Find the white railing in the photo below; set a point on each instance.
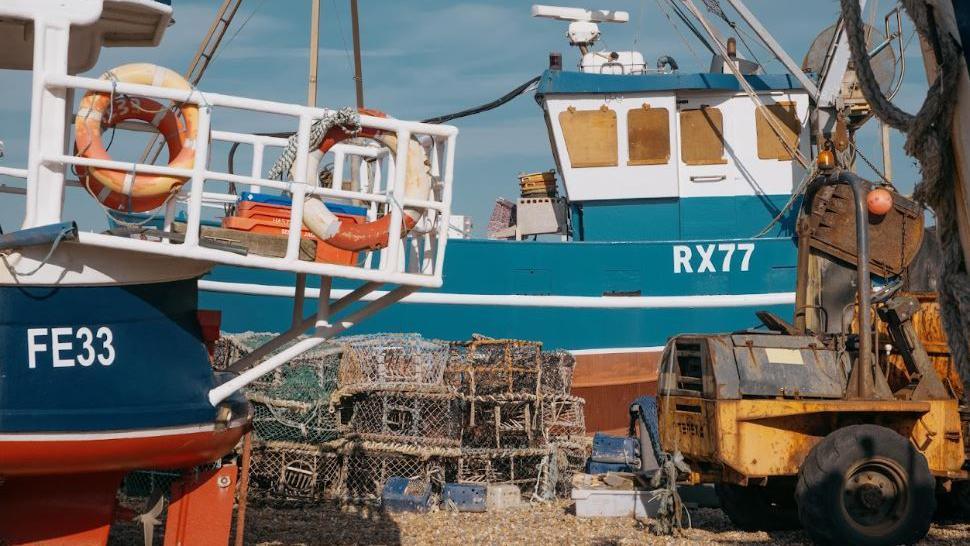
(387, 191)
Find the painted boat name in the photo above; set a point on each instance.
(62, 340)
(684, 257)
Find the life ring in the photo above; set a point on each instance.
(168, 125)
(370, 235)
(124, 190)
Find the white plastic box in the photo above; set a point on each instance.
(614, 503)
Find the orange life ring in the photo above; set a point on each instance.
(370, 235)
(168, 125)
(121, 190)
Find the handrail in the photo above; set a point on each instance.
(386, 190)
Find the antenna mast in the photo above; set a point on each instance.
(358, 76)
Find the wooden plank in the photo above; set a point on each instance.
(769, 145)
(273, 246)
(702, 136)
(648, 135)
(590, 137)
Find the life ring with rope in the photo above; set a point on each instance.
(128, 191)
(369, 235)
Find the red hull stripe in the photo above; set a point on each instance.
(32, 454)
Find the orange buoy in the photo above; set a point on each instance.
(880, 201)
(127, 191)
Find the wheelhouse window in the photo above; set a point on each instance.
(590, 136)
(648, 135)
(770, 141)
(702, 136)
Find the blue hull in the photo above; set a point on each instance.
(100, 358)
(596, 270)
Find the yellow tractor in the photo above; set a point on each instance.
(796, 424)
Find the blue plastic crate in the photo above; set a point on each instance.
(616, 449)
(465, 497)
(406, 495)
(594, 467)
(283, 201)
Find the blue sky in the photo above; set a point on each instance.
(422, 59)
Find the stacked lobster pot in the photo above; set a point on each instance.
(292, 421)
(520, 425)
(342, 421)
(397, 418)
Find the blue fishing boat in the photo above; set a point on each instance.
(105, 355)
(674, 213)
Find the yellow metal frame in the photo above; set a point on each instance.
(742, 440)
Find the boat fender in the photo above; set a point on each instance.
(128, 191)
(370, 235)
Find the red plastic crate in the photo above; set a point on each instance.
(273, 226)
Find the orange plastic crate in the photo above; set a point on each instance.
(274, 225)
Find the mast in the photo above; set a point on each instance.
(358, 77)
(311, 94)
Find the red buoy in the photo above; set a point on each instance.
(880, 200)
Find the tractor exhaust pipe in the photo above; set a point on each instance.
(861, 378)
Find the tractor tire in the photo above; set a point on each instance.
(759, 508)
(865, 485)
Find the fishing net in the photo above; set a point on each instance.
(380, 362)
(487, 367)
(294, 471)
(366, 470)
(423, 418)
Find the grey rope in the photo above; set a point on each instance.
(346, 118)
(43, 262)
(928, 139)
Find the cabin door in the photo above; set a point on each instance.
(705, 167)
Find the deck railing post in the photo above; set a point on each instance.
(394, 208)
(197, 183)
(257, 169)
(298, 188)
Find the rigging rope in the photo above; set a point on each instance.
(928, 140)
(487, 106)
(346, 118)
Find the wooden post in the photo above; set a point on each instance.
(311, 94)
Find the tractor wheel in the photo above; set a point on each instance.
(865, 485)
(759, 508)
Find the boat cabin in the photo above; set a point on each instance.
(656, 154)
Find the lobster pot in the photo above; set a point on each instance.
(392, 360)
(365, 471)
(506, 422)
(292, 421)
(486, 367)
(285, 470)
(423, 418)
(526, 468)
(556, 373)
(567, 459)
(562, 417)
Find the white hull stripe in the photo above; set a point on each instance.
(119, 435)
(514, 300)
